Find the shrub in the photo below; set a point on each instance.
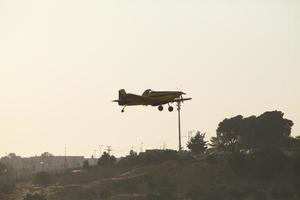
(86, 195)
(157, 156)
(7, 188)
(211, 159)
(105, 193)
(85, 164)
(106, 160)
(234, 194)
(259, 195)
(266, 163)
(282, 193)
(237, 162)
(35, 196)
(296, 170)
(167, 189)
(194, 192)
(42, 178)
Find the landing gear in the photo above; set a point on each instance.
(170, 108)
(123, 109)
(160, 108)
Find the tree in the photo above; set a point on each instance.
(197, 143)
(229, 132)
(12, 155)
(3, 169)
(216, 144)
(132, 153)
(272, 129)
(46, 154)
(267, 130)
(106, 160)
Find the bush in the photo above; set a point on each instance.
(105, 193)
(84, 194)
(130, 160)
(296, 171)
(157, 156)
(126, 185)
(167, 189)
(211, 159)
(35, 196)
(266, 163)
(259, 195)
(86, 164)
(234, 194)
(106, 160)
(282, 193)
(42, 178)
(194, 192)
(7, 188)
(237, 162)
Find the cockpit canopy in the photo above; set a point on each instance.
(147, 92)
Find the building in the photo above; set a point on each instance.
(45, 162)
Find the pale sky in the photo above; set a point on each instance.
(63, 61)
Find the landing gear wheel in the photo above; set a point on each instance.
(122, 110)
(160, 108)
(170, 108)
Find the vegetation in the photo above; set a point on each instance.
(7, 188)
(42, 178)
(106, 160)
(267, 130)
(35, 196)
(250, 158)
(86, 164)
(197, 143)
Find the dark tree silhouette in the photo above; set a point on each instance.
(3, 169)
(106, 160)
(133, 153)
(216, 144)
(46, 154)
(272, 129)
(229, 132)
(267, 130)
(197, 143)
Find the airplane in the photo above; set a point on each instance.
(150, 97)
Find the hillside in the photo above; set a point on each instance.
(206, 178)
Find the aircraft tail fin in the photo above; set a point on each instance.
(122, 94)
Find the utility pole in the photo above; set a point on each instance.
(179, 125)
(95, 153)
(65, 161)
(164, 146)
(108, 149)
(141, 148)
(100, 150)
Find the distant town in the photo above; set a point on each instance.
(45, 162)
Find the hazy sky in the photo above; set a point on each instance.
(63, 61)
